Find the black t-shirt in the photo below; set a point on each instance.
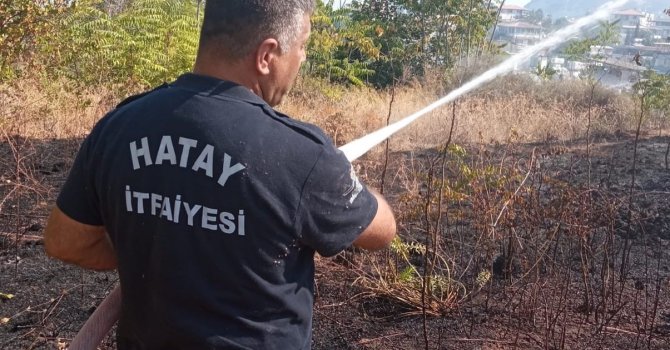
(215, 204)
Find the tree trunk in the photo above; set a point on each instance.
(495, 26)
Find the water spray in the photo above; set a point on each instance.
(359, 147)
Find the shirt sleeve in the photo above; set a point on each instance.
(78, 198)
(335, 207)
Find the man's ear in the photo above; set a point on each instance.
(267, 51)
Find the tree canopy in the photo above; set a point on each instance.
(141, 43)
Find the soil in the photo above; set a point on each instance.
(521, 307)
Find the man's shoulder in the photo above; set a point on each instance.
(226, 111)
(136, 97)
(307, 130)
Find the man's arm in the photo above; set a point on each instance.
(76, 243)
(382, 229)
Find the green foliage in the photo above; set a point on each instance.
(607, 34)
(592, 47)
(578, 49)
(150, 42)
(340, 49)
(654, 91)
(22, 24)
(140, 43)
(417, 36)
(440, 286)
(404, 249)
(545, 72)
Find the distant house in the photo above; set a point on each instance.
(512, 12)
(601, 51)
(631, 22)
(656, 57)
(518, 35)
(662, 62)
(630, 17)
(620, 74)
(660, 30)
(513, 31)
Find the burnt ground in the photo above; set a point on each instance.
(534, 301)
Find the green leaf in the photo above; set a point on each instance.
(406, 275)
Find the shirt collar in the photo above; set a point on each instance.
(216, 87)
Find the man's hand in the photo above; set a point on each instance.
(382, 229)
(76, 243)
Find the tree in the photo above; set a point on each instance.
(22, 24)
(341, 49)
(545, 72)
(583, 50)
(653, 91)
(655, 88)
(608, 34)
(423, 35)
(147, 43)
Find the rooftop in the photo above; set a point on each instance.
(513, 7)
(657, 49)
(629, 12)
(621, 64)
(519, 25)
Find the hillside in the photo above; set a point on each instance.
(563, 8)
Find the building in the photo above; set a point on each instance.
(618, 74)
(512, 12)
(632, 23)
(513, 32)
(660, 30)
(655, 57)
(518, 35)
(630, 17)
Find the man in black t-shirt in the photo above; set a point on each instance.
(210, 203)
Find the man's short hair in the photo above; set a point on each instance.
(236, 27)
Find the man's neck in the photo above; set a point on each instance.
(235, 72)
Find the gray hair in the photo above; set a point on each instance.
(237, 27)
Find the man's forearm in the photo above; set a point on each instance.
(102, 256)
(381, 230)
(97, 255)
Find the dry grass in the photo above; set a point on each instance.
(509, 108)
(39, 109)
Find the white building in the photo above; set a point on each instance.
(630, 17)
(631, 22)
(518, 35)
(660, 30)
(512, 12)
